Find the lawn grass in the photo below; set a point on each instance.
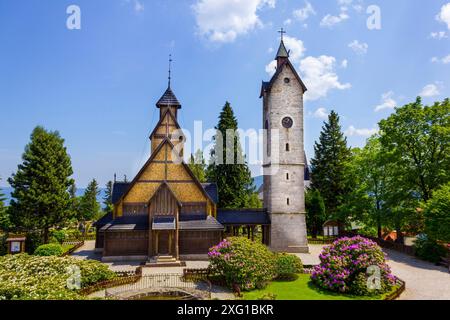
(301, 289)
(67, 247)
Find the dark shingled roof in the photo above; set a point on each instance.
(104, 220)
(211, 190)
(125, 223)
(168, 99)
(282, 51)
(210, 223)
(243, 216)
(119, 189)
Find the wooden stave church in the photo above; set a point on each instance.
(188, 222)
(165, 211)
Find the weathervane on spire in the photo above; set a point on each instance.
(282, 32)
(170, 68)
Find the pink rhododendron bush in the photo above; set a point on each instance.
(353, 265)
(242, 262)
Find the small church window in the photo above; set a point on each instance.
(287, 201)
(287, 147)
(287, 80)
(287, 176)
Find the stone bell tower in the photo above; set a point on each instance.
(284, 163)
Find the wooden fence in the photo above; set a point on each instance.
(121, 280)
(386, 244)
(76, 246)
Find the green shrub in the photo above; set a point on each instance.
(25, 277)
(428, 249)
(242, 262)
(288, 266)
(51, 249)
(58, 236)
(344, 267)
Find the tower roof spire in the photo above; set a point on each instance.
(282, 51)
(170, 69)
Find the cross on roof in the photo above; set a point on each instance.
(282, 32)
(170, 68)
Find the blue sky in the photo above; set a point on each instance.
(98, 85)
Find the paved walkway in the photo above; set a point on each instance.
(424, 280)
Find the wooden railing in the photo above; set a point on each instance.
(385, 244)
(121, 280)
(76, 246)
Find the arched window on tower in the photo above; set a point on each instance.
(287, 201)
(287, 176)
(288, 148)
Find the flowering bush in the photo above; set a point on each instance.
(24, 277)
(242, 262)
(344, 267)
(288, 266)
(51, 249)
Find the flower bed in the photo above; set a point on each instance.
(345, 265)
(24, 277)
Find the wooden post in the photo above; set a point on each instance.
(253, 233)
(156, 243)
(170, 242)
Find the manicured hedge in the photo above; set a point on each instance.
(288, 266)
(51, 249)
(25, 277)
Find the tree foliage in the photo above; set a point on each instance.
(329, 165)
(419, 137)
(315, 212)
(107, 198)
(437, 215)
(89, 206)
(41, 183)
(198, 165)
(233, 178)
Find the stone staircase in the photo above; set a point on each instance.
(164, 261)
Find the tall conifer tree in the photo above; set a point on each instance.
(330, 164)
(198, 165)
(234, 180)
(107, 198)
(89, 206)
(40, 198)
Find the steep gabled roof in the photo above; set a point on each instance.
(152, 157)
(168, 99)
(267, 86)
(282, 51)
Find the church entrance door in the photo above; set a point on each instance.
(163, 243)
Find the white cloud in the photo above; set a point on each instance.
(138, 6)
(318, 73)
(358, 48)
(444, 60)
(330, 20)
(224, 20)
(287, 22)
(438, 35)
(304, 13)
(444, 15)
(321, 113)
(363, 132)
(297, 50)
(344, 63)
(320, 76)
(430, 90)
(387, 102)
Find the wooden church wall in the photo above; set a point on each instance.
(163, 203)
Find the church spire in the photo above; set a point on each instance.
(282, 53)
(170, 70)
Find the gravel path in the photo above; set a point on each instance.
(424, 280)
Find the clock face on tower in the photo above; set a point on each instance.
(287, 122)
